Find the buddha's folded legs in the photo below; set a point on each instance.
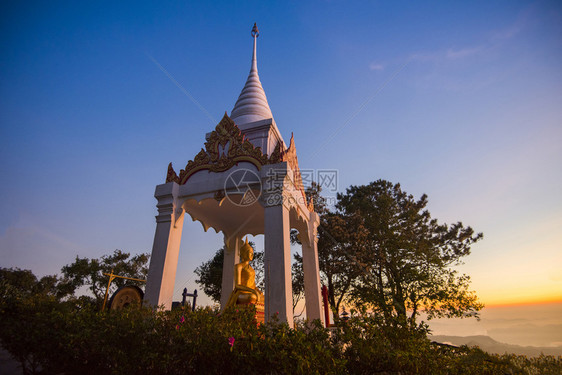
(246, 298)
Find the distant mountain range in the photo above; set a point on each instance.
(490, 345)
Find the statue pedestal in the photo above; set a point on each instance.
(260, 311)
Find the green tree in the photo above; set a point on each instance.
(406, 255)
(91, 272)
(25, 283)
(297, 280)
(210, 275)
(340, 239)
(336, 235)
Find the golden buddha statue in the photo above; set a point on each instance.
(245, 291)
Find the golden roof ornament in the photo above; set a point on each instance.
(225, 148)
(255, 32)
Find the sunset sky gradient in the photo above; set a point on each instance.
(461, 101)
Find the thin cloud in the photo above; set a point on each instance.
(506, 33)
(527, 16)
(555, 275)
(495, 40)
(19, 240)
(376, 66)
(426, 56)
(462, 53)
(449, 54)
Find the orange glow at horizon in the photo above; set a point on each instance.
(509, 299)
(553, 300)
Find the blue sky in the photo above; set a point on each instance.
(461, 101)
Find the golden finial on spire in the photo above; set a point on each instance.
(255, 31)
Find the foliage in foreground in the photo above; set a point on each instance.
(50, 337)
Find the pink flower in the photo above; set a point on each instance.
(231, 341)
(178, 326)
(182, 319)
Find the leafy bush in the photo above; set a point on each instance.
(48, 336)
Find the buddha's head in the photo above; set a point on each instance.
(246, 251)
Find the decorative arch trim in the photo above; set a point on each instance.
(225, 148)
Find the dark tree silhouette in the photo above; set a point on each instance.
(405, 255)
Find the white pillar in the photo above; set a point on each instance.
(311, 270)
(165, 250)
(231, 257)
(278, 287)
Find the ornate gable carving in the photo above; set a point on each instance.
(290, 156)
(225, 148)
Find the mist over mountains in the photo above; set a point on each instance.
(492, 346)
(521, 329)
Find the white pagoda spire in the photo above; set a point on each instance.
(252, 103)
